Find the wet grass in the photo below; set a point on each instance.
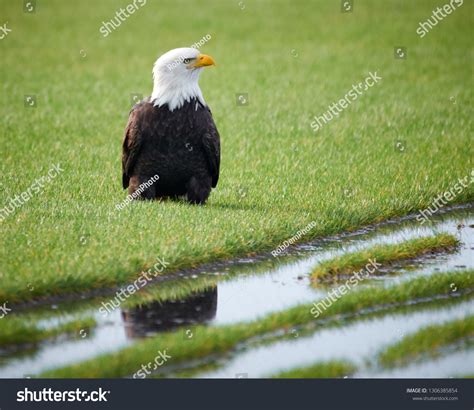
(427, 342)
(216, 362)
(158, 292)
(331, 369)
(386, 255)
(16, 331)
(213, 340)
(277, 174)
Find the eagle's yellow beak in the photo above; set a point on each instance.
(203, 60)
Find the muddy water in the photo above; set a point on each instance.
(240, 295)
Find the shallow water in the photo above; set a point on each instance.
(457, 364)
(357, 342)
(52, 354)
(240, 296)
(246, 298)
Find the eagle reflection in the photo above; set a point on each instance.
(162, 316)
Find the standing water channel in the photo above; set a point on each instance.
(246, 290)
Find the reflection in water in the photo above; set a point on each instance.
(358, 342)
(247, 294)
(162, 316)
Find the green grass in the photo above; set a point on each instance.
(331, 369)
(427, 342)
(385, 255)
(70, 238)
(16, 331)
(213, 340)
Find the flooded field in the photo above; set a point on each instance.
(248, 290)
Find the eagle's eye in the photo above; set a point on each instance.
(188, 60)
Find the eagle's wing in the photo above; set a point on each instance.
(212, 150)
(131, 146)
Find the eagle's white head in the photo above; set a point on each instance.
(176, 76)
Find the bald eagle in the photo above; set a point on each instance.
(171, 139)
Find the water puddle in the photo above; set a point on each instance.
(458, 364)
(246, 298)
(357, 342)
(238, 292)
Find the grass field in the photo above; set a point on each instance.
(66, 249)
(383, 256)
(391, 152)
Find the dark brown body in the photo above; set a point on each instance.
(143, 320)
(181, 147)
